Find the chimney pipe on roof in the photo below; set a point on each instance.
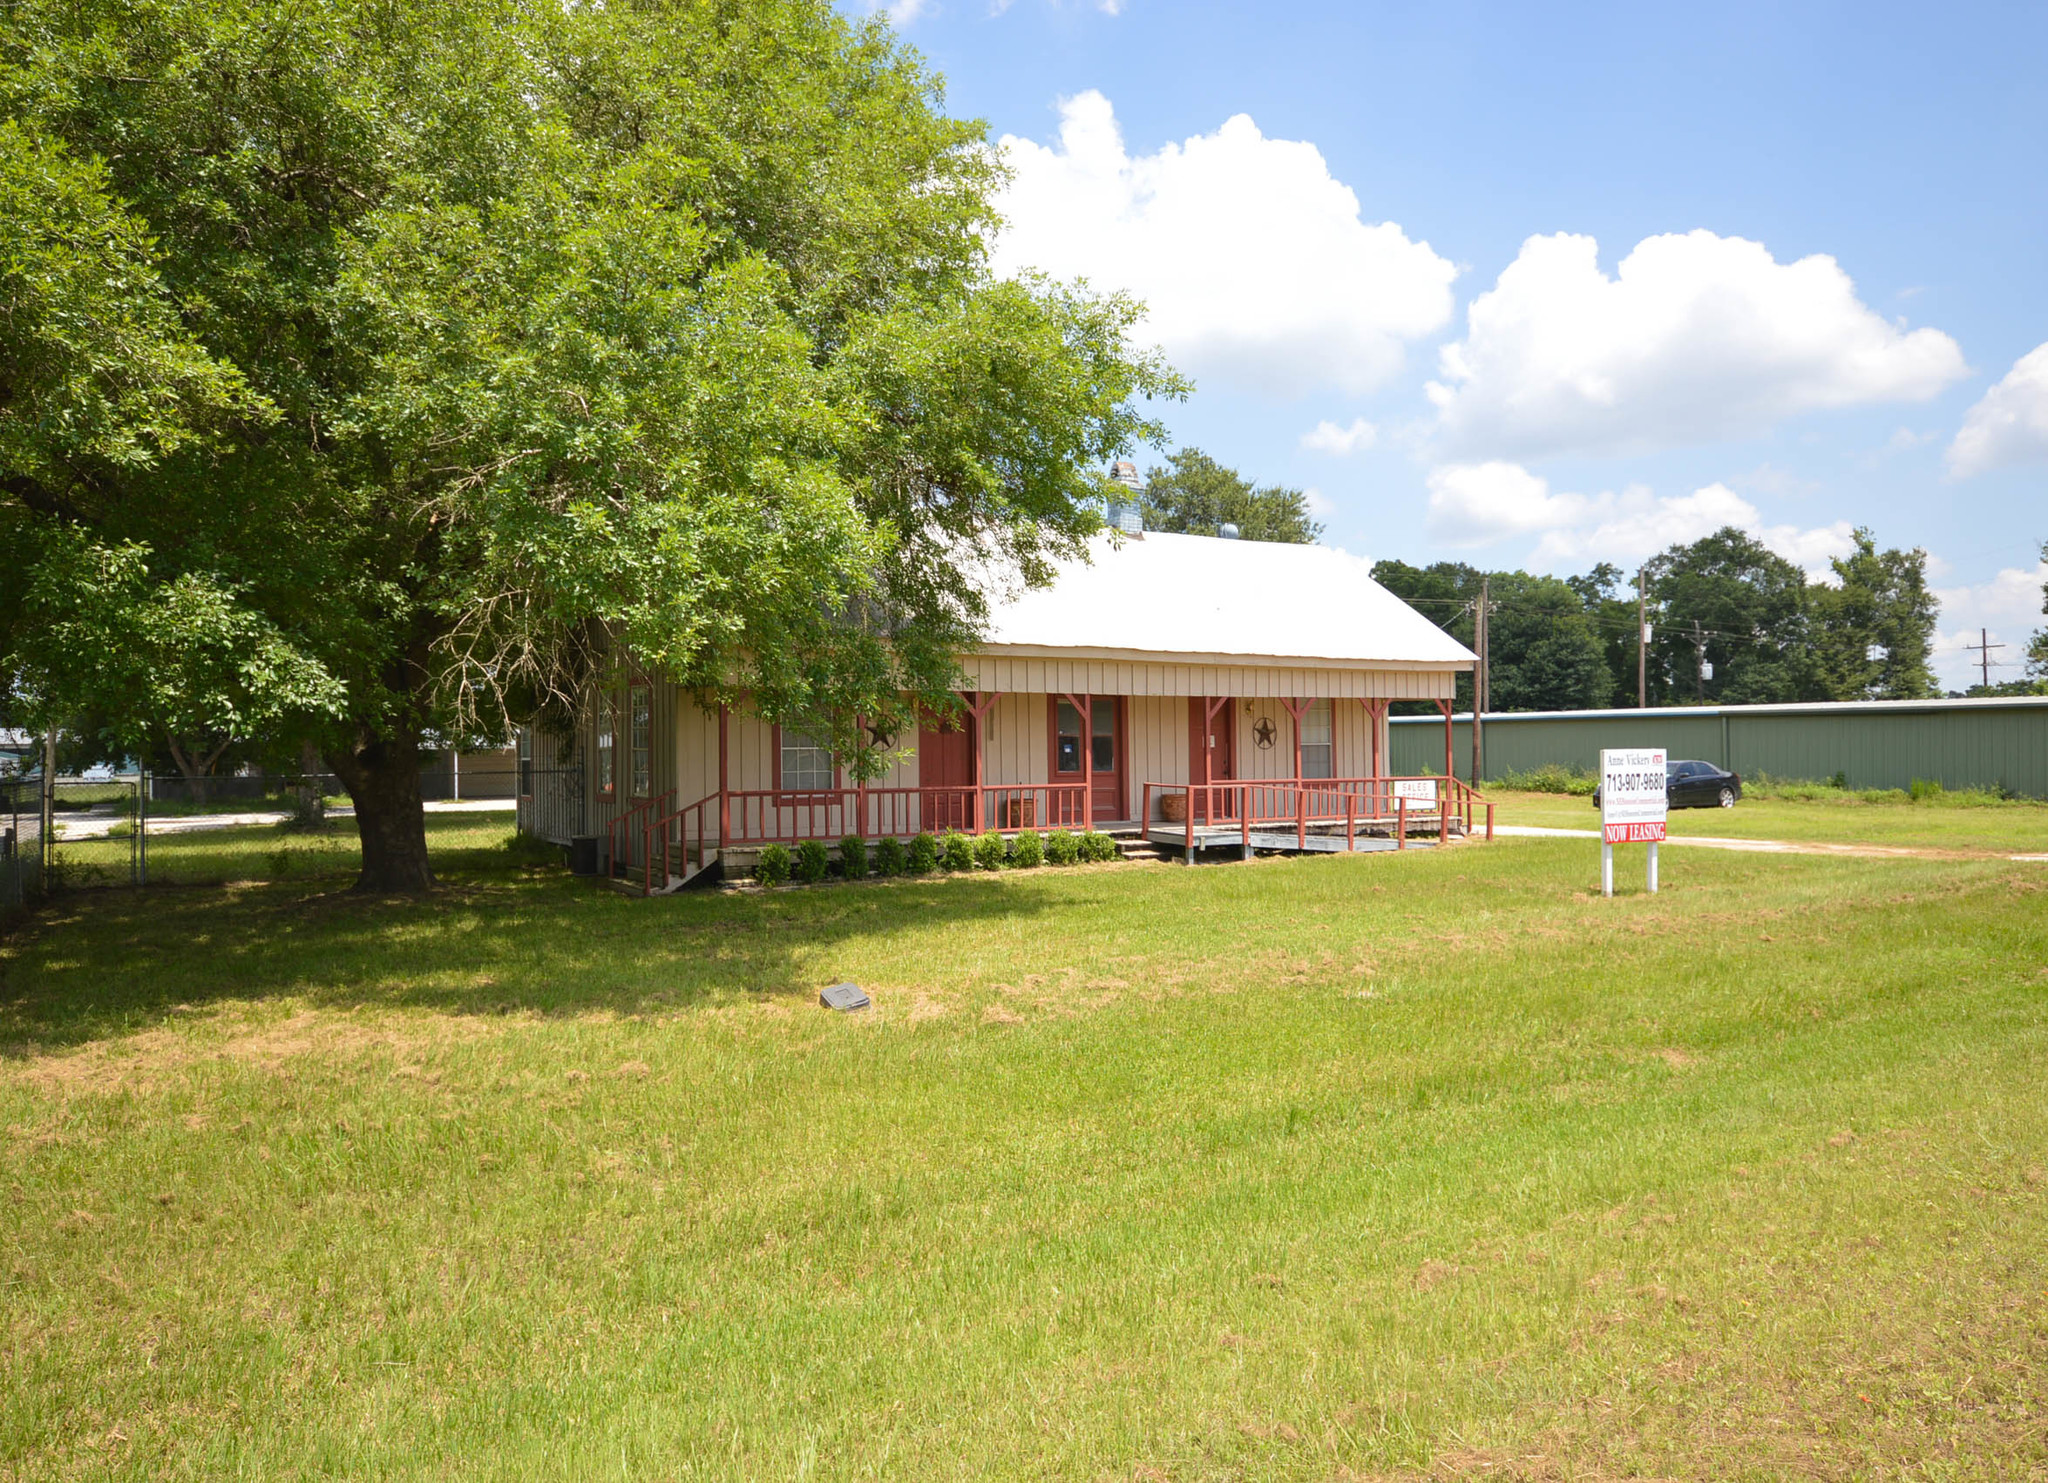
(1124, 514)
(1228, 532)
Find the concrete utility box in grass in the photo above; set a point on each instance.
(844, 997)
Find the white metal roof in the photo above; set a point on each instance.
(1182, 596)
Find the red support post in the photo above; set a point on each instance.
(1350, 822)
(1244, 819)
(1401, 824)
(1087, 710)
(1489, 823)
(977, 814)
(724, 789)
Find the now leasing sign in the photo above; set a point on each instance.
(1633, 797)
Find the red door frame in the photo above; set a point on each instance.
(1202, 729)
(1084, 706)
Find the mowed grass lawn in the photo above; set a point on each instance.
(1372, 1167)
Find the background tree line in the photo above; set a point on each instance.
(1732, 622)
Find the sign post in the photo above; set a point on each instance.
(1633, 804)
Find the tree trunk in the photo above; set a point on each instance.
(383, 781)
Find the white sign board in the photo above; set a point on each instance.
(1633, 795)
(1416, 790)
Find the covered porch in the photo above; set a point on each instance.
(1181, 772)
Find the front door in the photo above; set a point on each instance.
(1105, 741)
(945, 763)
(1218, 738)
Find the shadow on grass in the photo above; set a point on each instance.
(499, 937)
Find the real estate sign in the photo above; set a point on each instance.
(1632, 795)
(1633, 803)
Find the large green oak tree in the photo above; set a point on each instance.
(382, 369)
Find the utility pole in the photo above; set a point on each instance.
(1642, 643)
(1984, 646)
(1699, 645)
(1481, 684)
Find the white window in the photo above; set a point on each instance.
(806, 766)
(1318, 742)
(607, 726)
(643, 726)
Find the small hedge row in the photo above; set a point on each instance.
(811, 861)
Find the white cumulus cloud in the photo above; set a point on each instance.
(1256, 265)
(2005, 610)
(1478, 504)
(1694, 338)
(1327, 437)
(2010, 424)
(1475, 504)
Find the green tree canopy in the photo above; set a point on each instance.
(1732, 621)
(415, 360)
(1871, 632)
(1195, 495)
(1544, 652)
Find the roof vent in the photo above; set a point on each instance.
(1228, 532)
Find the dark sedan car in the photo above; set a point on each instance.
(1696, 785)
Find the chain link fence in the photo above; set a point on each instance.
(21, 843)
(148, 830)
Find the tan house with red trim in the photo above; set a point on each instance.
(1168, 678)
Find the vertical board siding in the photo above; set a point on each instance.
(1156, 744)
(1964, 747)
(1013, 741)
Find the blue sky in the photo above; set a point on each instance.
(1783, 257)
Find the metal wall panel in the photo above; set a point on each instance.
(1959, 746)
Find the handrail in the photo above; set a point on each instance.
(1302, 802)
(660, 826)
(612, 829)
(790, 815)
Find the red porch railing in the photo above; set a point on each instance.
(624, 826)
(783, 816)
(1323, 803)
(687, 836)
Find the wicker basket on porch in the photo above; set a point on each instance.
(1173, 807)
(1019, 813)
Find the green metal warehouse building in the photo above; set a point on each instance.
(1999, 743)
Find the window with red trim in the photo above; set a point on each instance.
(640, 715)
(607, 730)
(801, 764)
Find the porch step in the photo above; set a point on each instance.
(635, 884)
(1136, 847)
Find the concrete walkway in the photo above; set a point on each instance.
(96, 824)
(1773, 846)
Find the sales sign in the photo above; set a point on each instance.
(1416, 790)
(1633, 795)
